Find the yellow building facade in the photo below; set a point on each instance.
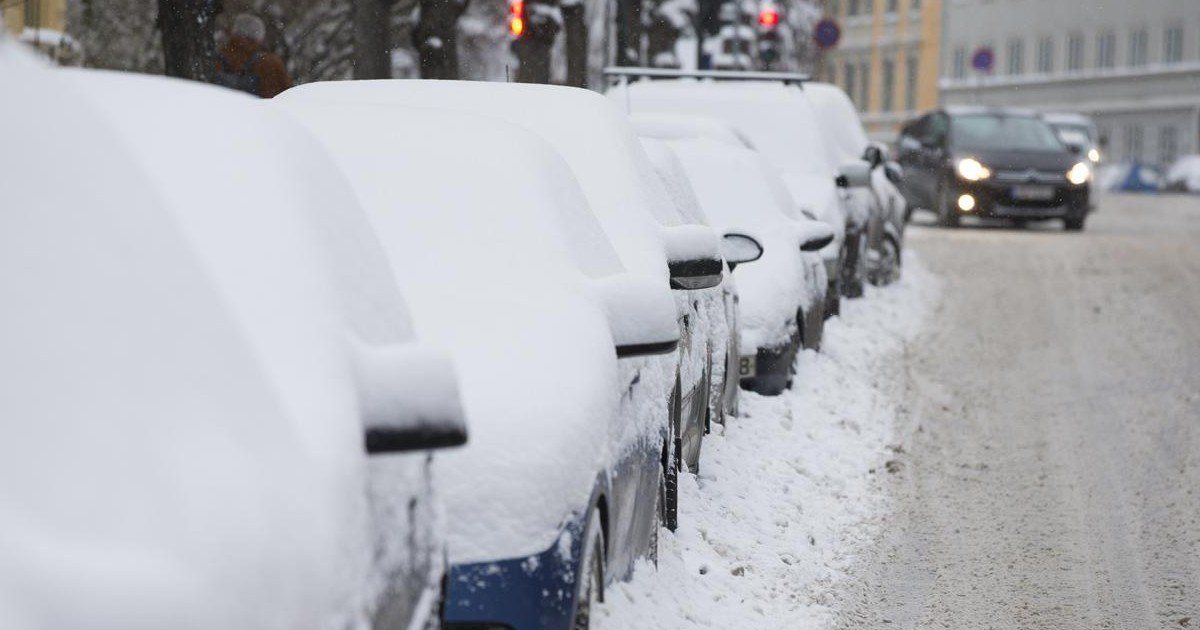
(888, 58)
(34, 14)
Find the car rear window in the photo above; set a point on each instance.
(1002, 133)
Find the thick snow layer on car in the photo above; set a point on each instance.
(663, 126)
(845, 138)
(788, 495)
(1184, 174)
(593, 137)
(734, 189)
(177, 452)
(488, 269)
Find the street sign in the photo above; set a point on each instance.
(827, 33)
(984, 59)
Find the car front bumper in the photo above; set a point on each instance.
(1004, 200)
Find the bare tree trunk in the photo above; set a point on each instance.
(629, 32)
(575, 30)
(436, 40)
(372, 41)
(189, 48)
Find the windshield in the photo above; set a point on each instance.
(1002, 133)
(1074, 134)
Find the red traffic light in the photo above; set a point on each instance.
(516, 17)
(769, 17)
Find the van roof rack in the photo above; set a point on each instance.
(625, 73)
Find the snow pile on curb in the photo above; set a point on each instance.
(791, 492)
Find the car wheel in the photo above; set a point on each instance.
(947, 216)
(673, 462)
(887, 269)
(1074, 224)
(660, 517)
(591, 574)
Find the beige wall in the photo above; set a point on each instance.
(50, 14)
(871, 39)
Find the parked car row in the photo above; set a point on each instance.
(394, 354)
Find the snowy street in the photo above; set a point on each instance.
(1022, 452)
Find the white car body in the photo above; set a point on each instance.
(184, 444)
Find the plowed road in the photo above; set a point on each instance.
(1050, 469)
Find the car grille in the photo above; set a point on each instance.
(1031, 176)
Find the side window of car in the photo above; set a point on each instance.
(938, 127)
(910, 135)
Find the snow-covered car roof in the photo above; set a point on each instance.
(776, 118)
(844, 135)
(497, 263)
(740, 193)
(663, 126)
(170, 440)
(592, 136)
(675, 182)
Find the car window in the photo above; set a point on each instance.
(1005, 133)
(935, 130)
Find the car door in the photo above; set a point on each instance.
(909, 155)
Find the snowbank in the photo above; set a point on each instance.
(787, 496)
(1184, 174)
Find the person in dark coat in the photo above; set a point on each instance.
(245, 63)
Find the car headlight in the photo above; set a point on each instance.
(971, 170)
(1094, 155)
(1079, 174)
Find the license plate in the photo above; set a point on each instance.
(747, 366)
(1037, 193)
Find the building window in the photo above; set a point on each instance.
(1075, 52)
(1106, 50)
(852, 7)
(915, 5)
(889, 85)
(1168, 145)
(850, 74)
(1134, 142)
(891, 5)
(1139, 41)
(1173, 44)
(1045, 55)
(1016, 56)
(864, 85)
(910, 83)
(960, 62)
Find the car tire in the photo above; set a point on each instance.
(660, 519)
(1074, 224)
(947, 217)
(673, 462)
(887, 270)
(590, 590)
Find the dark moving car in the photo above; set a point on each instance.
(990, 162)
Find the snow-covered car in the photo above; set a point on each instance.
(784, 128)
(683, 208)
(602, 151)
(848, 147)
(781, 296)
(191, 389)
(562, 485)
(1183, 175)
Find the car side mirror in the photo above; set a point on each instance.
(409, 399)
(641, 315)
(816, 235)
(856, 174)
(739, 249)
(894, 172)
(694, 257)
(873, 155)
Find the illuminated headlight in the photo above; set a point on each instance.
(1094, 155)
(1079, 174)
(971, 170)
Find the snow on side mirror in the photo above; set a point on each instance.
(740, 248)
(856, 174)
(693, 255)
(641, 315)
(815, 236)
(409, 399)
